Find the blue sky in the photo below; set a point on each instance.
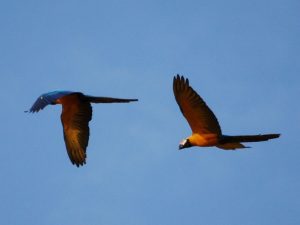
(242, 57)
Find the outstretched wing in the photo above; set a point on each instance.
(108, 99)
(75, 119)
(199, 116)
(46, 99)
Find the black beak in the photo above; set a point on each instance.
(180, 147)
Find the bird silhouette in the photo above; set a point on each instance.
(206, 131)
(75, 117)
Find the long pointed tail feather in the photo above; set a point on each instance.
(249, 138)
(108, 100)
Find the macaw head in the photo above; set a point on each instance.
(185, 144)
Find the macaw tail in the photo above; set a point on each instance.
(248, 138)
(108, 100)
(234, 142)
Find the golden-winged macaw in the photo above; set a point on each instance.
(75, 117)
(206, 131)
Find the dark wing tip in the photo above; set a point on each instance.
(76, 155)
(271, 136)
(77, 158)
(78, 164)
(181, 79)
(180, 83)
(128, 100)
(277, 135)
(178, 77)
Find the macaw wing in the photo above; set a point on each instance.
(199, 116)
(46, 99)
(94, 99)
(75, 120)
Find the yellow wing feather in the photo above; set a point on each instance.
(75, 119)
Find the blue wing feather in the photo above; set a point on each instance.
(48, 98)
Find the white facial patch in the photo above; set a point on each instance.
(183, 142)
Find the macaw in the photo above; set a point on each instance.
(75, 117)
(206, 131)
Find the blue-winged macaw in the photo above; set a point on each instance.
(75, 117)
(206, 131)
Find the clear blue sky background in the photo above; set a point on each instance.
(241, 56)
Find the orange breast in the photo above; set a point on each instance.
(204, 140)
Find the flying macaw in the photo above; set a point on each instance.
(206, 131)
(75, 117)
